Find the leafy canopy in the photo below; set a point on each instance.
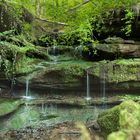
(78, 14)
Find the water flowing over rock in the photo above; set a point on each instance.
(72, 75)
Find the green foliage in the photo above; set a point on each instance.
(128, 19)
(78, 15)
(8, 54)
(130, 97)
(24, 65)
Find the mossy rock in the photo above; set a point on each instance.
(8, 106)
(117, 71)
(125, 135)
(8, 20)
(34, 53)
(117, 136)
(124, 116)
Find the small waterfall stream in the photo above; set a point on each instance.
(88, 87)
(103, 84)
(54, 54)
(27, 88)
(43, 108)
(27, 96)
(54, 50)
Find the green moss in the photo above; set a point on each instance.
(73, 70)
(8, 106)
(23, 118)
(118, 70)
(125, 116)
(25, 65)
(129, 115)
(117, 136)
(131, 96)
(17, 55)
(109, 120)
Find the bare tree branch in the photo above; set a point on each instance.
(79, 5)
(45, 20)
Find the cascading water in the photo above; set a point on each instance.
(43, 110)
(27, 90)
(28, 115)
(103, 84)
(54, 50)
(88, 87)
(27, 87)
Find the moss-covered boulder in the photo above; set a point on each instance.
(8, 20)
(117, 136)
(121, 117)
(125, 135)
(8, 106)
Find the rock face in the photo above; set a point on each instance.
(14, 18)
(56, 75)
(114, 23)
(125, 116)
(118, 70)
(113, 48)
(119, 74)
(8, 20)
(119, 50)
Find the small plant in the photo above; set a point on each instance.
(128, 19)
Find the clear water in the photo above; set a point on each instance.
(34, 115)
(88, 98)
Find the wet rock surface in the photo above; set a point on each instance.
(57, 132)
(71, 75)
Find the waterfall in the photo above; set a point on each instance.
(103, 83)
(28, 114)
(88, 87)
(43, 108)
(27, 88)
(54, 50)
(54, 54)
